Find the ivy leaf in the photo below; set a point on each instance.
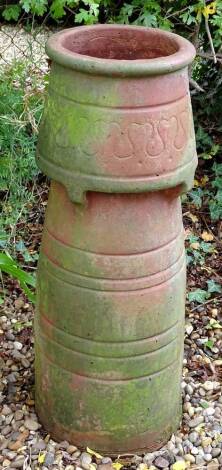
(20, 246)
(218, 196)
(192, 238)
(213, 287)
(207, 247)
(196, 196)
(198, 295)
(217, 183)
(189, 259)
(215, 210)
(217, 167)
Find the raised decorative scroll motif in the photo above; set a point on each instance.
(150, 138)
(127, 137)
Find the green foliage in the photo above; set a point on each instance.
(197, 250)
(211, 195)
(201, 295)
(213, 287)
(215, 202)
(20, 112)
(196, 196)
(162, 13)
(26, 280)
(85, 11)
(11, 12)
(198, 295)
(146, 13)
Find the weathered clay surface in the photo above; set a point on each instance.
(117, 136)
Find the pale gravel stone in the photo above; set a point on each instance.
(49, 459)
(161, 462)
(193, 423)
(85, 460)
(193, 437)
(106, 460)
(194, 451)
(209, 411)
(6, 410)
(31, 424)
(18, 415)
(216, 452)
(19, 461)
(17, 345)
(199, 460)
(189, 458)
(208, 385)
(71, 449)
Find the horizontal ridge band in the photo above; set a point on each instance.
(112, 285)
(77, 183)
(111, 266)
(106, 348)
(96, 368)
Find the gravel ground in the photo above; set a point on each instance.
(25, 444)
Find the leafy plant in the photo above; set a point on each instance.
(200, 295)
(215, 202)
(26, 280)
(197, 249)
(213, 287)
(20, 112)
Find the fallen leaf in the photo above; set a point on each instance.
(206, 236)
(215, 324)
(196, 183)
(92, 452)
(179, 465)
(192, 217)
(41, 458)
(195, 246)
(117, 465)
(204, 180)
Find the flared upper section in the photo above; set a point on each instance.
(120, 50)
